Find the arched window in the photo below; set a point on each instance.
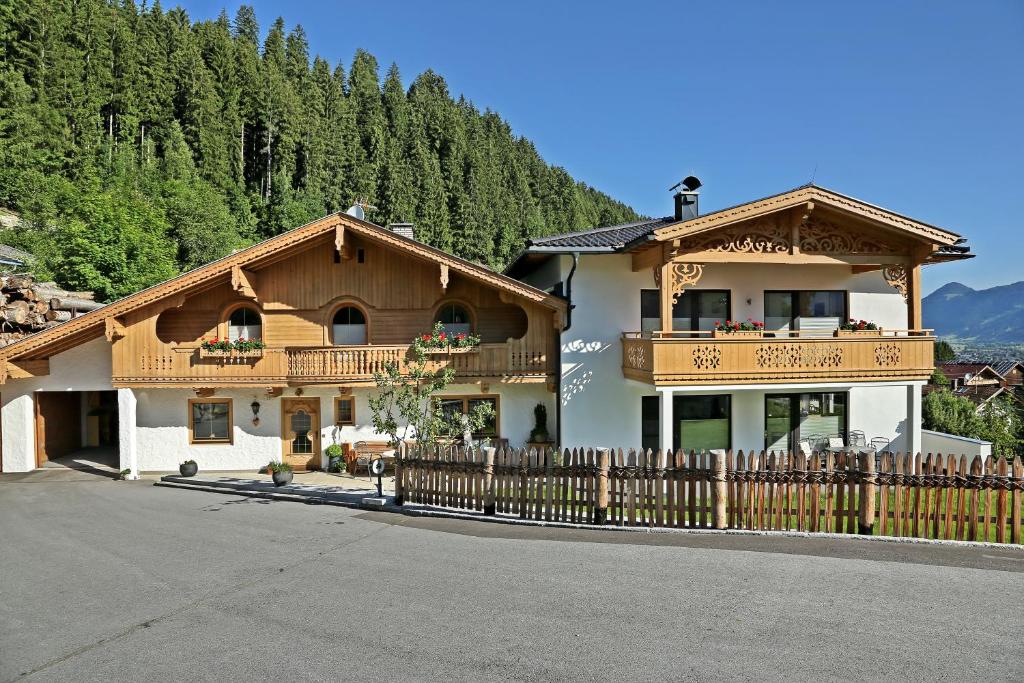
(244, 323)
(455, 318)
(349, 326)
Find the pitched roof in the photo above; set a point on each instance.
(1005, 366)
(961, 370)
(610, 238)
(617, 238)
(800, 196)
(92, 324)
(979, 394)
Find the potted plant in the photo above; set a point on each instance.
(281, 472)
(735, 328)
(858, 328)
(335, 458)
(189, 468)
(539, 434)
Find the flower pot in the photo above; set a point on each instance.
(188, 469)
(282, 478)
(858, 333)
(737, 334)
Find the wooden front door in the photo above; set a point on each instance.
(300, 435)
(58, 424)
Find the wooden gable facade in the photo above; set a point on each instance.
(291, 287)
(806, 226)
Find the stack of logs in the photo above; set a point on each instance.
(27, 306)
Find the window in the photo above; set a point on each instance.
(454, 318)
(349, 326)
(210, 420)
(791, 418)
(245, 323)
(344, 410)
(462, 405)
(695, 309)
(650, 422)
(702, 422)
(301, 424)
(807, 311)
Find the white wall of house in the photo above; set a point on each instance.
(163, 433)
(871, 297)
(600, 407)
(83, 368)
(877, 409)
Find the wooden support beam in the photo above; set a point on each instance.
(864, 269)
(344, 251)
(25, 369)
(274, 392)
(205, 392)
(444, 277)
(800, 217)
(244, 282)
(914, 298)
(113, 328)
(664, 277)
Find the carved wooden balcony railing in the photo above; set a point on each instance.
(514, 360)
(693, 358)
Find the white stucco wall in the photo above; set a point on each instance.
(163, 436)
(871, 297)
(83, 368)
(600, 407)
(878, 410)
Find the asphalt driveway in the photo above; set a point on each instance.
(103, 580)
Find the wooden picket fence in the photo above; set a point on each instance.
(923, 496)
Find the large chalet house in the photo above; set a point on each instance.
(641, 362)
(611, 329)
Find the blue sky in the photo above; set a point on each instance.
(916, 106)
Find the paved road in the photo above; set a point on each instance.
(103, 580)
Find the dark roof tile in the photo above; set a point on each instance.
(609, 237)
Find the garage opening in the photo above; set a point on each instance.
(76, 429)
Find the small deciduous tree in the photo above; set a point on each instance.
(406, 404)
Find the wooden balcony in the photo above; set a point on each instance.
(695, 358)
(352, 365)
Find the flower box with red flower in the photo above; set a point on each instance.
(443, 344)
(239, 348)
(734, 329)
(858, 328)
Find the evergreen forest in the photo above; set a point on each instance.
(136, 143)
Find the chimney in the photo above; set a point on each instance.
(403, 229)
(686, 198)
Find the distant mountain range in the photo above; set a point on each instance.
(976, 317)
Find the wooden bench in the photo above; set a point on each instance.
(363, 452)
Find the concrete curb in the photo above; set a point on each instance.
(413, 510)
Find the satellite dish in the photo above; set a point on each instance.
(377, 466)
(357, 211)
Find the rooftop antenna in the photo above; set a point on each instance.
(814, 174)
(358, 209)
